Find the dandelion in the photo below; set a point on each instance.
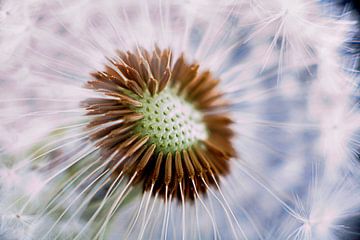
(154, 117)
(177, 120)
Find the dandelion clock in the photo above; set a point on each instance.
(172, 119)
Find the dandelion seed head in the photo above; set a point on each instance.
(207, 135)
(161, 118)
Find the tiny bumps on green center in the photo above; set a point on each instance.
(172, 123)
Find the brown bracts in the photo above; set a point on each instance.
(158, 123)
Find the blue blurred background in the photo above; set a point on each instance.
(354, 223)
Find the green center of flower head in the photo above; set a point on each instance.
(161, 123)
(171, 122)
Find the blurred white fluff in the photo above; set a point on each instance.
(323, 213)
(23, 196)
(280, 63)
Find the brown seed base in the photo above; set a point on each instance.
(126, 80)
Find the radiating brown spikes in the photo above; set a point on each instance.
(212, 147)
(219, 165)
(133, 117)
(141, 142)
(130, 140)
(105, 131)
(194, 84)
(203, 89)
(110, 142)
(178, 166)
(153, 86)
(145, 74)
(136, 77)
(165, 60)
(122, 55)
(133, 60)
(113, 61)
(135, 88)
(156, 172)
(188, 164)
(112, 76)
(165, 79)
(129, 83)
(125, 99)
(102, 86)
(168, 169)
(119, 113)
(198, 168)
(103, 120)
(145, 159)
(121, 130)
(93, 110)
(216, 119)
(98, 102)
(123, 69)
(155, 66)
(157, 50)
(130, 164)
(209, 99)
(179, 65)
(202, 158)
(145, 54)
(190, 75)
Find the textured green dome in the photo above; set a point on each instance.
(171, 122)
